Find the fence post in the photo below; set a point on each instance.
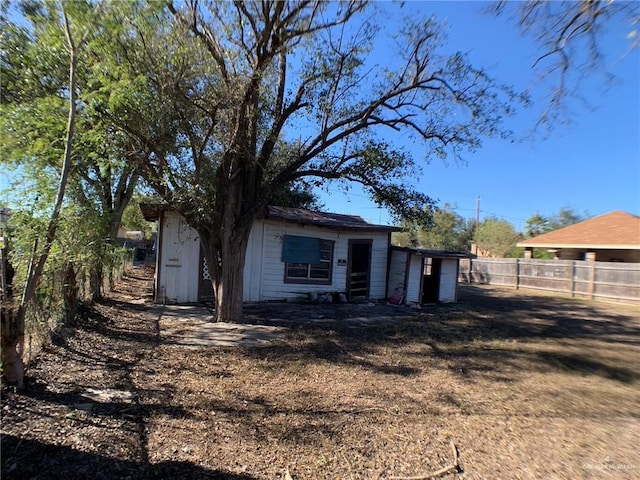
(592, 280)
(517, 273)
(572, 273)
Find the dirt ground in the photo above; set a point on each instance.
(525, 386)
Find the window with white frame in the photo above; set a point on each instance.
(428, 265)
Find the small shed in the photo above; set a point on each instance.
(424, 275)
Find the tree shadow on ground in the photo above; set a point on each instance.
(553, 316)
(24, 459)
(61, 402)
(485, 334)
(481, 333)
(518, 316)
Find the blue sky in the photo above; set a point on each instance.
(591, 165)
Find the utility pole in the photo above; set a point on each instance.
(474, 245)
(477, 216)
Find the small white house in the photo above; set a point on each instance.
(291, 254)
(423, 276)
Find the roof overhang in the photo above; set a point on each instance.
(432, 253)
(151, 211)
(581, 246)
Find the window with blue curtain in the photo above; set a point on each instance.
(297, 249)
(307, 259)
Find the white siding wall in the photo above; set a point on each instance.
(264, 270)
(252, 275)
(448, 280)
(179, 261)
(272, 286)
(397, 268)
(415, 275)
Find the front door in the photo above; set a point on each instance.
(359, 268)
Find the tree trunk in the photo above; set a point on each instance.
(96, 269)
(11, 326)
(70, 294)
(123, 196)
(12, 335)
(226, 256)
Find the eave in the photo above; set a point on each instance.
(581, 246)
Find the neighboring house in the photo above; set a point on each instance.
(126, 234)
(292, 254)
(614, 237)
(134, 239)
(423, 275)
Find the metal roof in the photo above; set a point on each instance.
(335, 221)
(433, 253)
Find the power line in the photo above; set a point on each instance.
(452, 207)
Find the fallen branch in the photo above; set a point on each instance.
(455, 467)
(348, 466)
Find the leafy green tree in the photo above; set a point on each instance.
(564, 217)
(497, 238)
(13, 321)
(447, 231)
(536, 225)
(132, 217)
(216, 92)
(104, 167)
(408, 237)
(296, 195)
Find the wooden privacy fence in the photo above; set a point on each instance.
(604, 280)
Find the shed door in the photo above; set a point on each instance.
(179, 261)
(359, 268)
(431, 282)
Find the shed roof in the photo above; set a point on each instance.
(433, 253)
(151, 211)
(334, 221)
(614, 230)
